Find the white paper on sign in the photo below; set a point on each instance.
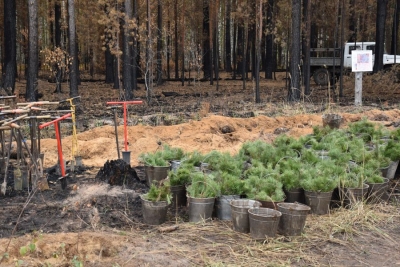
(361, 60)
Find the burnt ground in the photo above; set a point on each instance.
(101, 224)
(115, 202)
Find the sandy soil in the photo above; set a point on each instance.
(98, 145)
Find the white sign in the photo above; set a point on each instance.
(361, 60)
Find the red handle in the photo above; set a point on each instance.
(41, 126)
(135, 102)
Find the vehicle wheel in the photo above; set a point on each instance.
(321, 76)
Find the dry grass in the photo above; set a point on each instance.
(216, 244)
(351, 234)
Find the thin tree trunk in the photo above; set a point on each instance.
(395, 29)
(306, 45)
(183, 44)
(211, 41)
(245, 49)
(176, 40)
(58, 43)
(168, 48)
(149, 72)
(258, 32)
(235, 41)
(159, 44)
(381, 8)
(33, 58)
(216, 46)
(135, 48)
(269, 42)
(228, 49)
(73, 74)
(294, 87)
(127, 48)
(206, 40)
(109, 65)
(10, 46)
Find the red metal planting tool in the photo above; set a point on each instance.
(59, 148)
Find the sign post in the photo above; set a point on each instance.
(361, 61)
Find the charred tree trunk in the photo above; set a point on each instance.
(135, 49)
(33, 59)
(127, 48)
(258, 32)
(168, 48)
(73, 53)
(240, 50)
(149, 57)
(109, 65)
(228, 50)
(381, 8)
(206, 40)
(176, 41)
(159, 44)
(306, 46)
(10, 46)
(395, 29)
(353, 21)
(235, 64)
(58, 43)
(294, 88)
(269, 42)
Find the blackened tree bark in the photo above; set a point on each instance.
(168, 47)
(306, 45)
(258, 24)
(294, 88)
(126, 52)
(206, 40)
(395, 28)
(381, 9)
(183, 45)
(149, 56)
(58, 43)
(10, 46)
(234, 56)
(353, 21)
(135, 52)
(159, 44)
(109, 65)
(57, 23)
(269, 42)
(228, 50)
(176, 40)
(240, 51)
(313, 35)
(33, 58)
(116, 70)
(73, 53)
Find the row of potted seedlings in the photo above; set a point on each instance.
(330, 166)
